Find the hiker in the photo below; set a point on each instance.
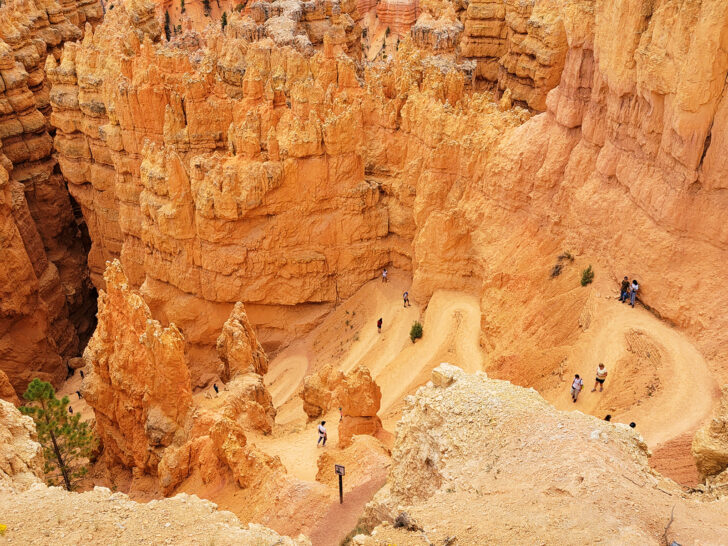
(624, 290)
(322, 434)
(379, 325)
(79, 395)
(384, 275)
(341, 414)
(576, 387)
(81, 372)
(608, 417)
(70, 409)
(214, 386)
(633, 291)
(633, 424)
(601, 376)
(405, 297)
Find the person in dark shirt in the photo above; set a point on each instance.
(379, 326)
(624, 291)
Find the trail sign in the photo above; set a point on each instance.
(340, 471)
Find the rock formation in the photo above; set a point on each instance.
(21, 457)
(364, 458)
(137, 380)
(398, 15)
(483, 460)
(97, 516)
(359, 397)
(244, 363)
(43, 250)
(518, 45)
(320, 391)
(7, 392)
(710, 444)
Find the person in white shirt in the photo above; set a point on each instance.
(384, 275)
(601, 376)
(633, 289)
(576, 387)
(322, 434)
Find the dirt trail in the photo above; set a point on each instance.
(684, 390)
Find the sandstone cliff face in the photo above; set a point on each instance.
(710, 444)
(230, 168)
(484, 460)
(518, 45)
(21, 457)
(38, 327)
(320, 391)
(137, 381)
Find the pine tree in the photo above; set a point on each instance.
(206, 6)
(182, 5)
(66, 441)
(223, 21)
(167, 30)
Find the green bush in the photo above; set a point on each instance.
(416, 331)
(587, 276)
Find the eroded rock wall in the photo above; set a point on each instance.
(45, 268)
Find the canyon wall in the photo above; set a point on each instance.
(220, 167)
(46, 298)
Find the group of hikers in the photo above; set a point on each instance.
(628, 290)
(405, 298)
(578, 382)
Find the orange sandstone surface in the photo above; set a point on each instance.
(243, 188)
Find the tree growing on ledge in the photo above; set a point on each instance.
(67, 442)
(167, 30)
(223, 21)
(206, 6)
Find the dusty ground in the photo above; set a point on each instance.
(654, 375)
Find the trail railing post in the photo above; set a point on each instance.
(340, 471)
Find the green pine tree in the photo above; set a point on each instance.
(223, 21)
(67, 442)
(167, 30)
(416, 331)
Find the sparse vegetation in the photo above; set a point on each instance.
(559, 265)
(416, 331)
(67, 442)
(223, 21)
(239, 8)
(358, 530)
(207, 8)
(587, 276)
(167, 30)
(182, 5)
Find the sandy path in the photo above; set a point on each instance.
(686, 391)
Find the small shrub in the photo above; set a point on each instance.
(587, 276)
(556, 271)
(566, 256)
(207, 8)
(416, 331)
(223, 21)
(182, 6)
(239, 8)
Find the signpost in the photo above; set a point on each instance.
(340, 471)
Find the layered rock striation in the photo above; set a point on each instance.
(43, 249)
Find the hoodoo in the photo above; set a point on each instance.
(198, 204)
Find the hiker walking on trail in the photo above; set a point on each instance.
(633, 291)
(405, 297)
(214, 386)
(379, 325)
(624, 290)
(321, 434)
(601, 376)
(384, 275)
(576, 387)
